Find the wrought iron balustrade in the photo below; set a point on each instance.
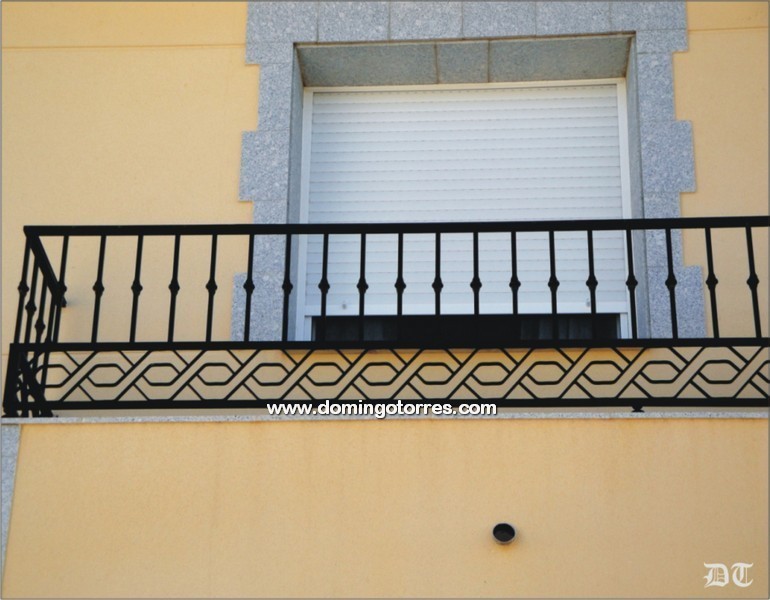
(47, 372)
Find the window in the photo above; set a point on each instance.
(490, 152)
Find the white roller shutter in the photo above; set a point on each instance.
(468, 154)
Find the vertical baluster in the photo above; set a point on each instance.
(248, 286)
(515, 284)
(400, 283)
(287, 287)
(437, 283)
(36, 322)
(50, 336)
(13, 387)
(136, 287)
(98, 288)
(174, 288)
(631, 283)
(52, 312)
(62, 300)
(54, 315)
(323, 285)
(24, 367)
(31, 307)
(553, 285)
(211, 286)
(400, 286)
(711, 282)
(362, 287)
(753, 282)
(40, 324)
(23, 289)
(671, 285)
(591, 282)
(476, 282)
(65, 244)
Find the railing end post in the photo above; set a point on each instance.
(10, 397)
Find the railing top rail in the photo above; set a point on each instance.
(394, 228)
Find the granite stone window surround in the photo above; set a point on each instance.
(299, 44)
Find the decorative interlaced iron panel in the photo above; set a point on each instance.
(513, 377)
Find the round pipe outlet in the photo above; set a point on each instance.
(504, 533)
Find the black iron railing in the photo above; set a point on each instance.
(46, 373)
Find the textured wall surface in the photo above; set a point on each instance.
(603, 508)
(124, 113)
(729, 111)
(9, 445)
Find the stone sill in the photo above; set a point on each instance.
(734, 414)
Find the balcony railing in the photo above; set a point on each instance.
(615, 358)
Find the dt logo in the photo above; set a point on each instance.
(719, 575)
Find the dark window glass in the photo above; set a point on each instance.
(467, 330)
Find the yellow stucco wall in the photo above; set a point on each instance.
(119, 113)
(721, 87)
(617, 508)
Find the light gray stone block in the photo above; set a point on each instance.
(264, 165)
(662, 205)
(612, 413)
(395, 64)
(463, 62)
(498, 19)
(238, 316)
(267, 298)
(639, 258)
(295, 151)
(558, 18)
(353, 21)
(690, 311)
(267, 307)
(265, 317)
(638, 16)
(269, 212)
(657, 254)
(282, 21)
(275, 82)
(634, 144)
(263, 53)
(425, 20)
(656, 87)
(672, 40)
(559, 58)
(9, 441)
(295, 185)
(667, 157)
